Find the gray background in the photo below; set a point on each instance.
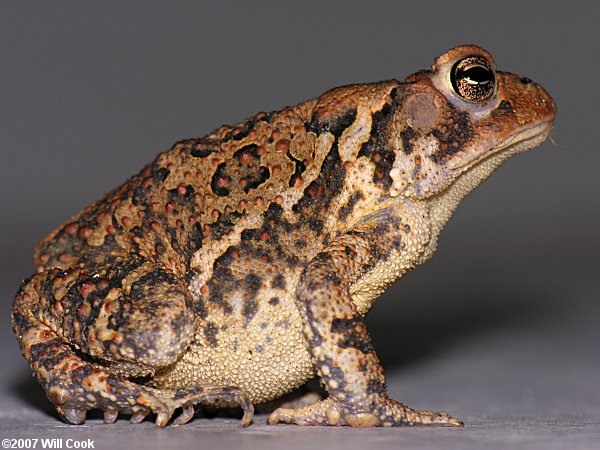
(500, 328)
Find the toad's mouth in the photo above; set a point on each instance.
(517, 143)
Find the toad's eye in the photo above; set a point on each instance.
(473, 79)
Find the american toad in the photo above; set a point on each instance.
(236, 266)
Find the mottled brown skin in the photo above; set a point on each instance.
(237, 266)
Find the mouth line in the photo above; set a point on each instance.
(530, 134)
(524, 140)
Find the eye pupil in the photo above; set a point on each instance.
(473, 79)
(480, 75)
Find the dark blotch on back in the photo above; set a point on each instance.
(243, 129)
(251, 149)
(376, 148)
(195, 237)
(253, 173)
(318, 194)
(202, 149)
(299, 168)
(258, 178)
(221, 191)
(224, 224)
(159, 174)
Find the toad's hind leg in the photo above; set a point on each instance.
(129, 321)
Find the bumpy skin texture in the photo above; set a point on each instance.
(237, 266)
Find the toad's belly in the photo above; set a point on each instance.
(267, 358)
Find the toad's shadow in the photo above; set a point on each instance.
(27, 389)
(408, 330)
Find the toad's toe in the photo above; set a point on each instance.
(110, 416)
(75, 416)
(185, 416)
(138, 416)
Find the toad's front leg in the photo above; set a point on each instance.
(341, 346)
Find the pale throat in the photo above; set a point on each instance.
(427, 218)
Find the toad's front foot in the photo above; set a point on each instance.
(385, 412)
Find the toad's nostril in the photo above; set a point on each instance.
(526, 80)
